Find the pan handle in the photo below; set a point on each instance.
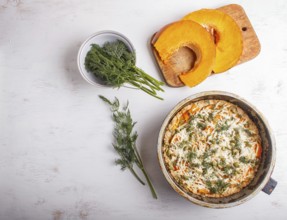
(270, 186)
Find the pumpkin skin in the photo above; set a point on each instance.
(227, 36)
(186, 33)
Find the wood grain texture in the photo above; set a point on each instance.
(251, 47)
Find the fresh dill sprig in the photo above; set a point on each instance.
(114, 65)
(125, 141)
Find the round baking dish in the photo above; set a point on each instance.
(262, 180)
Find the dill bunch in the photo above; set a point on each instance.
(114, 65)
(125, 141)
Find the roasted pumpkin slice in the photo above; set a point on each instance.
(186, 33)
(226, 33)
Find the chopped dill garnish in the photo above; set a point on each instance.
(218, 186)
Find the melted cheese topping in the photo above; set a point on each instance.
(212, 148)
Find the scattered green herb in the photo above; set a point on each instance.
(222, 162)
(210, 116)
(223, 127)
(236, 142)
(195, 165)
(207, 164)
(248, 132)
(183, 144)
(212, 141)
(243, 159)
(213, 151)
(218, 186)
(125, 141)
(236, 164)
(201, 125)
(191, 155)
(114, 65)
(190, 135)
(205, 155)
(247, 144)
(229, 170)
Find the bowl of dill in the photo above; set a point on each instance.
(99, 38)
(108, 58)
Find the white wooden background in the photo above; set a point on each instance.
(56, 159)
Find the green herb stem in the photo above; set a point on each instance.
(149, 184)
(125, 141)
(148, 91)
(150, 79)
(136, 176)
(145, 174)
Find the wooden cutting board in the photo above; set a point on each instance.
(180, 61)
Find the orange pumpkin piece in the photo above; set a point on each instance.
(186, 33)
(226, 33)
